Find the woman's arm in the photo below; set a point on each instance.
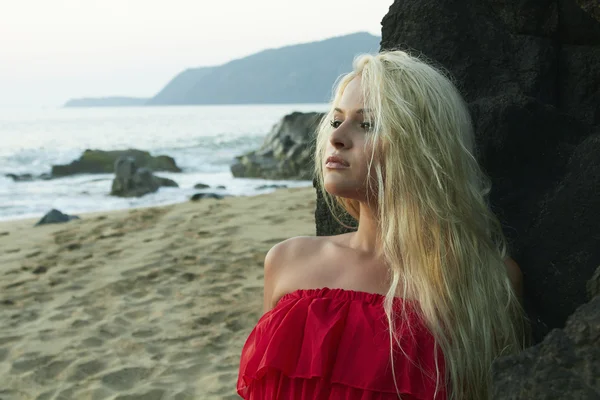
(272, 261)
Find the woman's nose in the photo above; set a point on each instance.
(340, 137)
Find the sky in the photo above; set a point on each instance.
(55, 50)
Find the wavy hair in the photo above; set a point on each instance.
(441, 242)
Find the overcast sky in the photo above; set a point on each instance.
(54, 50)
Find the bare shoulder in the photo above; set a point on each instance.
(283, 257)
(515, 275)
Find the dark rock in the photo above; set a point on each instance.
(591, 7)
(99, 161)
(40, 270)
(28, 177)
(565, 365)
(559, 248)
(262, 187)
(221, 187)
(593, 285)
(131, 181)
(20, 178)
(166, 182)
(201, 186)
(54, 217)
(286, 152)
(326, 224)
(199, 196)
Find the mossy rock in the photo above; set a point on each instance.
(101, 162)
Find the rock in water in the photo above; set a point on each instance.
(286, 152)
(200, 196)
(131, 181)
(54, 216)
(99, 161)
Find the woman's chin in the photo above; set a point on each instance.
(341, 190)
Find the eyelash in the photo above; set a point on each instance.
(334, 124)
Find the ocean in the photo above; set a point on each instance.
(203, 140)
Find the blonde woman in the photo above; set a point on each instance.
(420, 298)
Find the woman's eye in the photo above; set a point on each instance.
(335, 123)
(366, 126)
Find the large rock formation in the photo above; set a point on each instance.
(103, 162)
(530, 72)
(565, 365)
(131, 181)
(286, 152)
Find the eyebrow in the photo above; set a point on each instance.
(359, 111)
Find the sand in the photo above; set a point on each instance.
(149, 304)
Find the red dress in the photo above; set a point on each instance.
(334, 344)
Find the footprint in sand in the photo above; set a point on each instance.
(153, 394)
(84, 370)
(146, 333)
(9, 339)
(50, 371)
(187, 395)
(91, 342)
(29, 363)
(3, 353)
(46, 395)
(125, 378)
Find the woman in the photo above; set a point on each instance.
(421, 297)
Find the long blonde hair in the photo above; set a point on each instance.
(443, 246)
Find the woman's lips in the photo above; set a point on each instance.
(335, 162)
(335, 165)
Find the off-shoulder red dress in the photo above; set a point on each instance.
(334, 344)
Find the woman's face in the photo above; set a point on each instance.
(346, 156)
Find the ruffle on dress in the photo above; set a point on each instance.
(334, 344)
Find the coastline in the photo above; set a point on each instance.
(152, 302)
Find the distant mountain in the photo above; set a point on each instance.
(181, 84)
(106, 102)
(303, 73)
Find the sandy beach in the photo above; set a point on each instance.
(141, 304)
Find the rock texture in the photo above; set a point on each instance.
(200, 196)
(28, 177)
(593, 285)
(565, 365)
(286, 152)
(530, 72)
(55, 217)
(131, 181)
(592, 7)
(99, 161)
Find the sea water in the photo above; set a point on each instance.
(203, 140)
